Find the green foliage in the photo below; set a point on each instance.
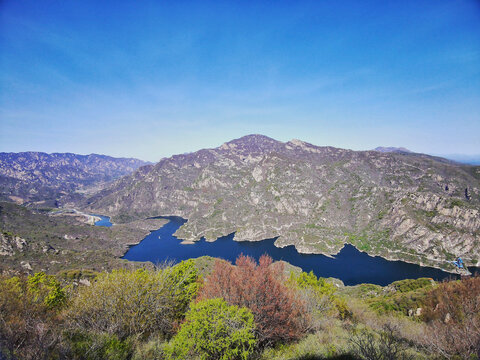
(77, 274)
(342, 308)
(319, 295)
(309, 280)
(402, 296)
(46, 288)
(29, 321)
(93, 346)
(186, 274)
(455, 202)
(367, 345)
(381, 214)
(412, 284)
(139, 302)
(214, 330)
(366, 290)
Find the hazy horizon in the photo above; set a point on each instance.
(149, 80)
(462, 158)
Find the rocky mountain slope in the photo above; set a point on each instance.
(36, 176)
(406, 206)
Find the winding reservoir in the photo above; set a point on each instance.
(349, 265)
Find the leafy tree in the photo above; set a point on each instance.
(279, 314)
(185, 275)
(140, 302)
(214, 330)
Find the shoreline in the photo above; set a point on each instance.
(388, 257)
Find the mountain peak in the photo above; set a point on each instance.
(391, 149)
(253, 143)
(254, 139)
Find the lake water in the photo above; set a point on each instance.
(349, 265)
(104, 221)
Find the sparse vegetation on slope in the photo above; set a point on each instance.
(32, 241)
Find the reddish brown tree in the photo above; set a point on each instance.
(278, 312)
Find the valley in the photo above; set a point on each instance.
(391, 203)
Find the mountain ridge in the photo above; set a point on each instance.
(404, 206)
(37, 176)
(392, 149)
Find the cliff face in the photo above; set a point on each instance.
(405, 206)
(35, 176)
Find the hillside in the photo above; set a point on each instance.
(208, 308)
(54, 241)
(406, 206)
(37, 176)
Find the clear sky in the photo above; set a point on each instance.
(150, 79)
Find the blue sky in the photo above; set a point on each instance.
(150, 79)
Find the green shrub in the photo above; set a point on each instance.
(403, 295)
(140, 302)
(214, 330)
(412, 284)
(29, 321)
(319, 296)
(77, 274)
(184, 274)
(46, 289)
(93, 346)
(455, 202)
(309, 280)
(387, 345)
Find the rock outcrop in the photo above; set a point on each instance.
(11, 244)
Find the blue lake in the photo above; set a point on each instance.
(104, 221)
(349, 265)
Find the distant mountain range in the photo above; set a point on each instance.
(466, 159)
(37, 176)
(396, 204)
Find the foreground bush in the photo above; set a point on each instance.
(453, 316)
(29, 319)
(141, 302)
(214, 330)
(319, 298)
(387, 345)
(279, 314)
